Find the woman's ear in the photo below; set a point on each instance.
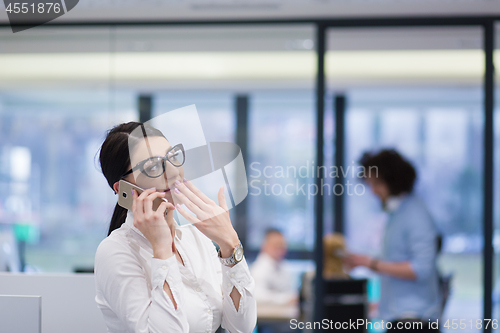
(115, 187)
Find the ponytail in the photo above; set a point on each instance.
(118, 218)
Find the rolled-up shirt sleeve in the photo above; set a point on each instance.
(245, 318)
(144, 307)
(423, 245)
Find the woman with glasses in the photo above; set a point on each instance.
(152, 275)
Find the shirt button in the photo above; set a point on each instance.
(164, 267)
(208, 310)
(229, 284)
(198, 289)
(232, 274)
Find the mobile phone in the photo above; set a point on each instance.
(125, 197)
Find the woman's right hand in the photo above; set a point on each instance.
(151, 223)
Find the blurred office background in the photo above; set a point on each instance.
(417, 89)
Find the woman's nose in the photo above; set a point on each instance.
(171, 175)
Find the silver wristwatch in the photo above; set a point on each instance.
(235, 257)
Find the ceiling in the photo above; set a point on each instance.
(243, 55)
(102, 10)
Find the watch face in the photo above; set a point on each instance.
(238, 255)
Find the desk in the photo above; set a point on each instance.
(267, 312)
(273, 318)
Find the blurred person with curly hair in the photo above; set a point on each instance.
(407, 264)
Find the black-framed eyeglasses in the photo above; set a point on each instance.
(155, 166)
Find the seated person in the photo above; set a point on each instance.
(273, 279)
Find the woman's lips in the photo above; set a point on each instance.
(168, 189)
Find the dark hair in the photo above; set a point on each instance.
(392, 168)
(114, 159)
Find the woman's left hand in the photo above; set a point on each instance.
(211, 219)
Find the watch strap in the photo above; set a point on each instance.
(229, 261)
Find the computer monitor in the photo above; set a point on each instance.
(21, 314)
(68, 300)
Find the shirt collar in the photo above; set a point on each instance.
(393, 202)
(267, 257)
(130, 222)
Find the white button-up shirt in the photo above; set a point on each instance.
(129, 285)
(273, 280)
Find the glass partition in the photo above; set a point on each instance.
(282, 157)
(56, 103)
(419, 91)
(61, 89)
